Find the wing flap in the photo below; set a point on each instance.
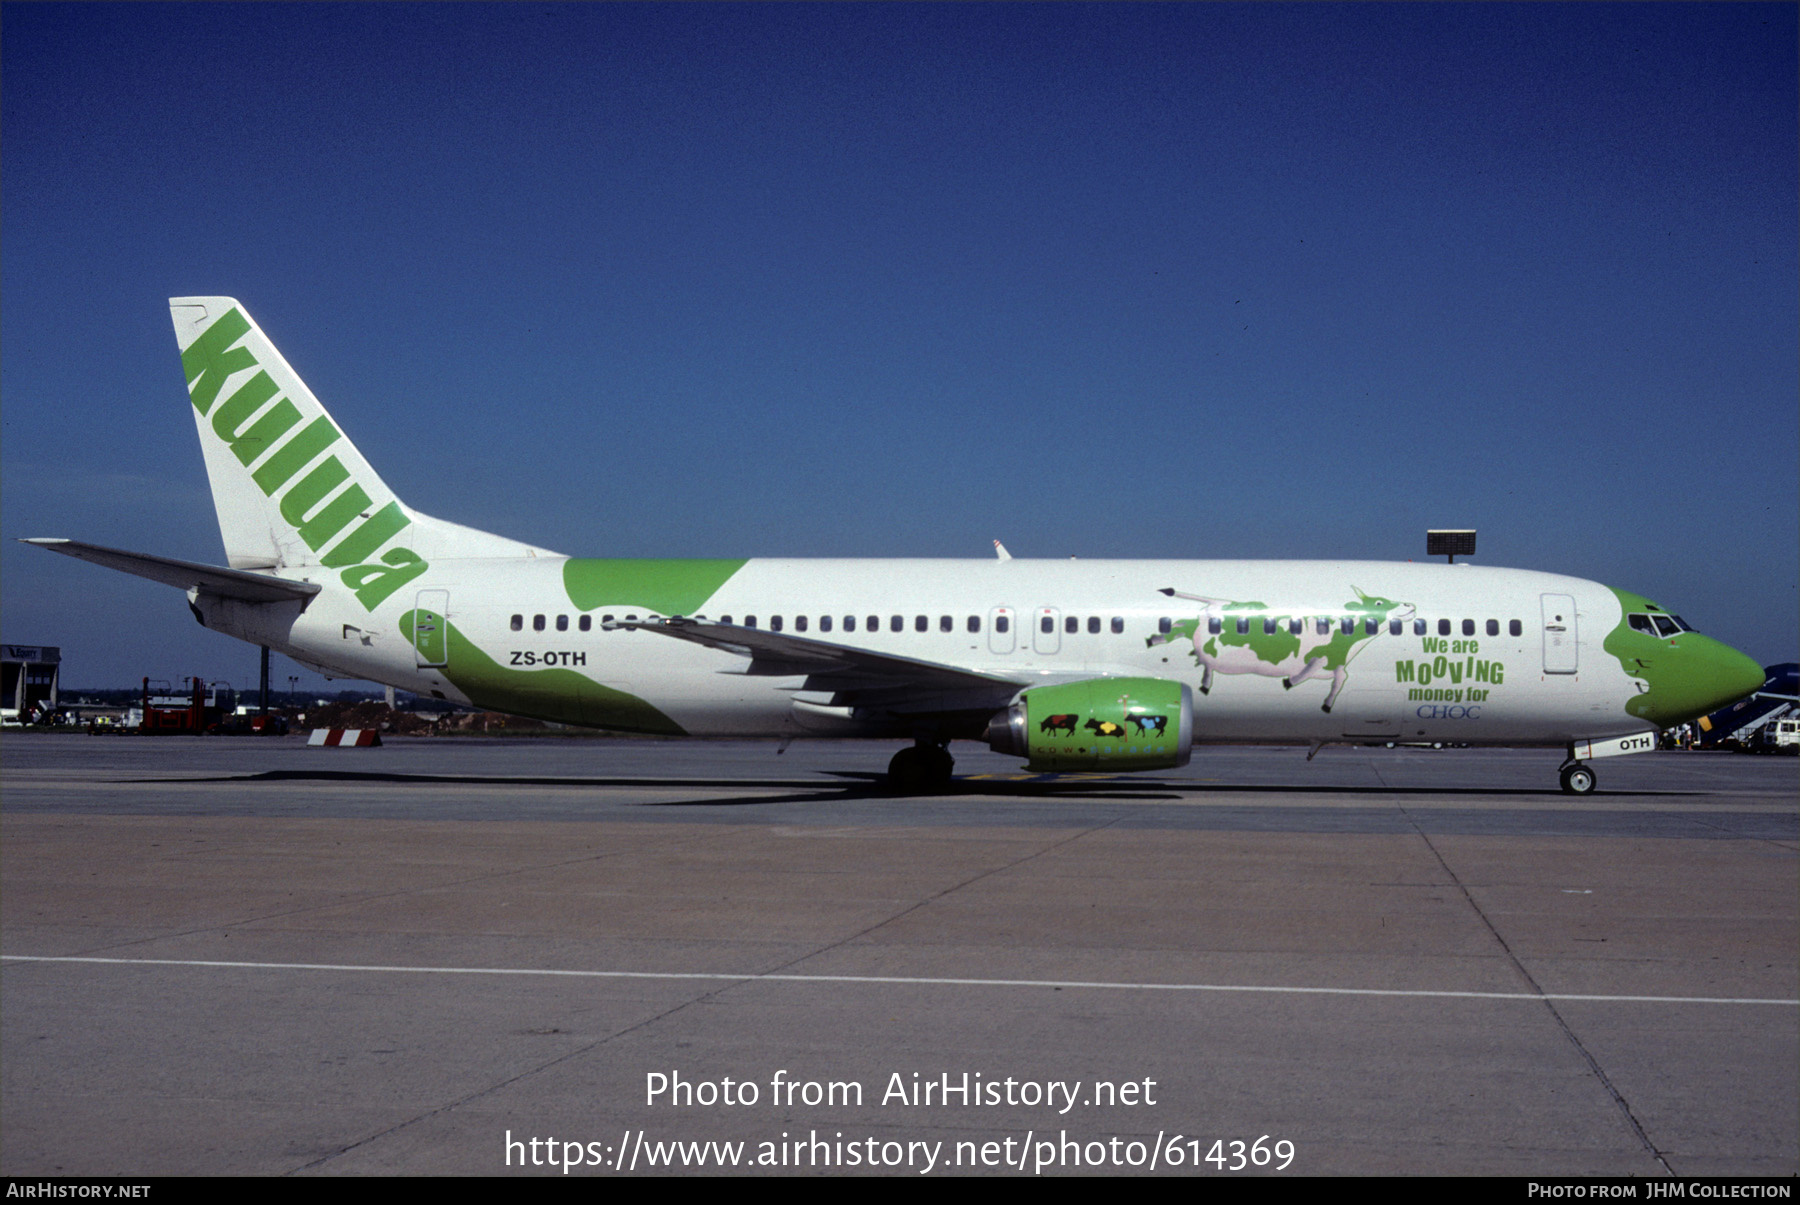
(185, 575)
(852, 677)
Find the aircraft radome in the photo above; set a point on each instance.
(1072, 665)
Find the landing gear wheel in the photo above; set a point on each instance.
(939, 765)
(920, 770)
(1577, 779)
(906, 774)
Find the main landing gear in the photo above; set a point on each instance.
(924, 769)
(1577, 778)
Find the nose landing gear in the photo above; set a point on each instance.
(1577, 778)
(923, 769)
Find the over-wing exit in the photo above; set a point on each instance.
(1070, 665)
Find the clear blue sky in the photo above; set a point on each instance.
(885, 280)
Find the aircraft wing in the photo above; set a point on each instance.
(185, 575)
(853, 677)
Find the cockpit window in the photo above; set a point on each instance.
(1658, 625)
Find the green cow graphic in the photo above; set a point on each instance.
(1277, 650)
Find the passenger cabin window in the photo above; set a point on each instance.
(799, 623)
(1322, 625)
(518, 623)
(749, 621)
(1215, 625)
(585, 623)
(1243, 625)
(1468, 627)
(1371, 626)
(1347, 625)
(974, 623)
(1165, 625)
(562, 623)
(774, 623)
(1443, 627)
(1118, 625)
(1002, 624)
(946, 624)
(1515, 627)
(824, 623)
(724, 619)
(1296, 626)
(897, 623)
(874, 624)
(537, 623)
(1071, 625)
(1268, 627)
(921, 623)
(1396, 626)
(1093, 625)
(1418, 627)
(849, 623)
(1493, 627)
(1047, 625)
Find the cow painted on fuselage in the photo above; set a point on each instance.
(1295, 645)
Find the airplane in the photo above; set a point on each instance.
(1072, 665)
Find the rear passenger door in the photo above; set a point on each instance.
(430, 636)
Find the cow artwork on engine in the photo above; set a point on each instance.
(1253, 638)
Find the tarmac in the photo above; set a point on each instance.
(515, 956)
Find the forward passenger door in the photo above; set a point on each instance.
(1561, 650)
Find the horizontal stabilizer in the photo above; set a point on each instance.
(185, 575)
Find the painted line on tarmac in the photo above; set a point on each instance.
(895, 980)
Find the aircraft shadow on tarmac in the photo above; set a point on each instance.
(854, 785)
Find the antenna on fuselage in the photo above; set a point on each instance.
(1450, 543)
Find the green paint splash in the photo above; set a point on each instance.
(663, 587)
(1685, 675)
(560, 695)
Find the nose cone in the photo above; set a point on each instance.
(1733, 675)
(1698, 675)
(1679, 674)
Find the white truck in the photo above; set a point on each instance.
(1783, 736)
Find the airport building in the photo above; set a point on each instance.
(29, 677)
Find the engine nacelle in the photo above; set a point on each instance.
(1098, 724)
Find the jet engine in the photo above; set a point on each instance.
(1098, 724)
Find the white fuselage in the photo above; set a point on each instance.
(1468, 663)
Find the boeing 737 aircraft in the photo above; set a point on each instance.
(1071, 665)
